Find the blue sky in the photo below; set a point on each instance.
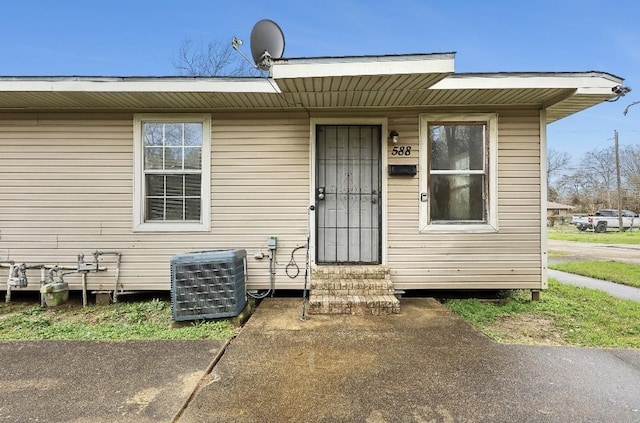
(140, 37)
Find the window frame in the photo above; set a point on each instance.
(139, 223)
(491, 200)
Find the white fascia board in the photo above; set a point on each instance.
(137, 85)
(596, 90)
(590, 84)
(348, 68)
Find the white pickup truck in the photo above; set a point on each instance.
(605, 219)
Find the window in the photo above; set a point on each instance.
(172, 176)
(459, 184)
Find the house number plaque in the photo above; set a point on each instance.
(401, 150)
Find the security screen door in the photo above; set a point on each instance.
(348, 194)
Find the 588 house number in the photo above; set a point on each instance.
(401, 150)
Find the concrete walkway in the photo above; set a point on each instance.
(614, 289)
(423, 365)
(578, 251)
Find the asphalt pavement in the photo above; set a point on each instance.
(95, 382)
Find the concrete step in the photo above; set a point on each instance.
(357, 290)
(354, 304)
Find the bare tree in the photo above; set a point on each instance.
(577, 187)
(630, 166)
(216, 58)
(592, 185)
(557, 161)
(599, 167)
(630, 170)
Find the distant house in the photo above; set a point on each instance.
(434, 175)
(558, 211)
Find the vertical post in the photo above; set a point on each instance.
(535, 295)
(615, 138)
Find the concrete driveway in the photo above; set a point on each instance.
(424, 365)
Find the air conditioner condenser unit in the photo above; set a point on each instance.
(208, 284)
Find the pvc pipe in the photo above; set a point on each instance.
(7, 298)
(54, 268)
(84, 289)
(43, 280)
(51, 266)
(117, 271)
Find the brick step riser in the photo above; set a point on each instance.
(332, 273)
(355, 290)
(354, 305)
(352, 287)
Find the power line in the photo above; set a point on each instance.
(627, 108)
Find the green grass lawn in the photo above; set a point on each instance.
(570, 233)
(567, 314)
(623, 273)
(121, 321)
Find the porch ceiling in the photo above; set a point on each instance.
(561, 94)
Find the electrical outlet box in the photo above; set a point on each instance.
(272, 242)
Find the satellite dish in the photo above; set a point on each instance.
(267, 42)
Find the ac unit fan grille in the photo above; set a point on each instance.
(209, 284)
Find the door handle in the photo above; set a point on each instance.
(320, 193)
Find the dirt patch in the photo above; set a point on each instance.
(143, 398)
(528, 329)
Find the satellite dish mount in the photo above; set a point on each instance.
(264, 62)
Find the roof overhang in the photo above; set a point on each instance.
(134, 84)
(137, 93)
(419, 81)
(559, 93)
(417, 65)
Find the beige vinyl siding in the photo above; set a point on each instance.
(260, 188)
(509, 258)
(66, 187)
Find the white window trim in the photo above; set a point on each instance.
(492, 205)
(139, 225)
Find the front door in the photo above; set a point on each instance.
(348, 194)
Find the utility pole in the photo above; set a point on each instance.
(615, 138)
